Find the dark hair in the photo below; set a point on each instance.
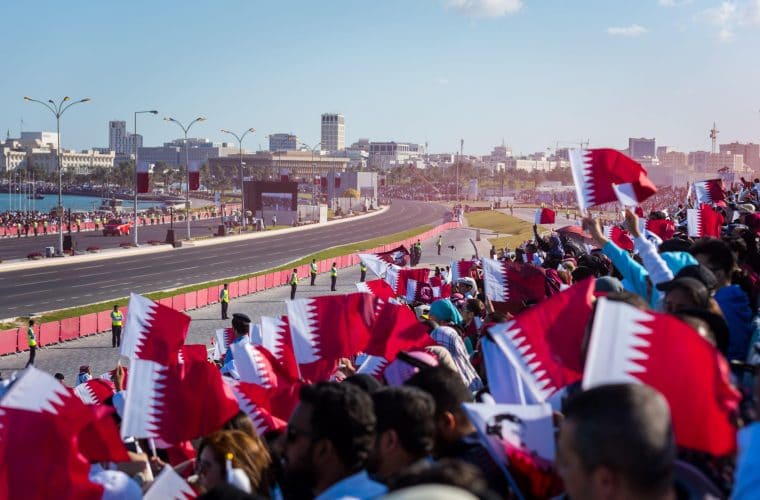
(409, 411)
(627, 428)
(449, 472)
(446, 387)
(365, 382)
(475, 306)
(31, 322)
(718, 253)
(240, 422)
(675, 245)
(344, 415)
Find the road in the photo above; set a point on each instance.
(51, 288)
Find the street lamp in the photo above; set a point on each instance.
(187, 166)
(58, 109)
(313, 166)
(134, 140)
(242, 185)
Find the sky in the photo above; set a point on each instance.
(533, 73)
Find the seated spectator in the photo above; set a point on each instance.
(328, 440)
(617, 442)
(248, 454)
(405, 430)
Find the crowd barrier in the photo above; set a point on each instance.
(53, 332)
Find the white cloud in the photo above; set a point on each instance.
(486, 8)
(730, 16)
(674, 3)
(629, 31)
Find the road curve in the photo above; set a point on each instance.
(45, 289)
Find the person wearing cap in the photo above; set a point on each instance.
(684, 293)
(467, 287)
(449, 335)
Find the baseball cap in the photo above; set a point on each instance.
(698, 272)
(691, 284)
(241, 317)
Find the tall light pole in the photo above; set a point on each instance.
(134, 140)
(187, 167)
(313, 166)
(58, 109)
(242, 185)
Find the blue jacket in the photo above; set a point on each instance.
(734, 305)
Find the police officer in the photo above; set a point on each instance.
(32, 341)
(117, 320)
(439, 243)
(313, 270)
(224, 300)
(363, 271)
(333, 276)
(294, 283)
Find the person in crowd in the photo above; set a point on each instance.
(455, 436)
(449, 335)
(248, 453)
(327, 443)
(241, 326)
(405, 431)
(596, 460)
(85, 374)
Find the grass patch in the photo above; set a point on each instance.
(513, 231)
(324, 254)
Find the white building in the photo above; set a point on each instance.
(40, 149)
(120, 140)
(391, 154)
(533, 165)
(333, 132)
(173, 153)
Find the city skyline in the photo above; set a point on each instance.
(437, 71)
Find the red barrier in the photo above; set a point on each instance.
(22, 343)
(69, 328)
(261, 283)
(252, 285)
(50, 333)
(88, 324)
(303, 271)
(282, 277)
(178, 302)
(104, 321)
(213, 294)
(268, 281)
(167, 301)
(233, 289)
(242, 287)
(201, 298)
(8, 341)
(190, 301)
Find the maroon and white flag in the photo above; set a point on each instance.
(40, 422)
(325, 329)
(703, 222)
(170, 486)
(153, 331)
(223, 337)
(378, 288)
(143, 176)
(396, 329)
(276, 338)
(619, 237)
(514, 283)
(545, 216)
(629, 345)
(399, 279)
(95, 391)
(100, 440)
(255, 401)
(463, 269)
(663, 228)
(606, 175)
(379, 262)
(543, 343)
(194, 174)
(709, 191)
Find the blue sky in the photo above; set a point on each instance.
(531, 72)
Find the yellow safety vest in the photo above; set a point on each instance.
(224, 296)
(30, 335)
(334, 272)
(313, 268)
(363, 267)
(116, 318)
(293, 279)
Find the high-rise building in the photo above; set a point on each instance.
(120, 140)
(283, 142)
(333, 132)
(750, 152)
(641, 148)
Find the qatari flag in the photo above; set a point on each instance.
(143, 176)
(194, 169)
(709, 191)
(703, 222)
(545, 216)
(379, 262)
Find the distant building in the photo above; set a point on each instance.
(301, 165)
(333, 132)
(173, 153)
(698, 160)
(120, 140)
(534, 165)
(673, 159)
(283, 142)
(40, 149)
(750, 152)
(663, 150)
(390, 154)
(641, 148)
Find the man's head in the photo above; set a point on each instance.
(329, 435)
(716, 255)
(685, 293)
(617, 442)
(116, 307)
(31, 322)
(241, 323)
(225, 286)
(448, 392)
(405, 429)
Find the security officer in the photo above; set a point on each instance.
(294, 283)
(439, 243)
(224, 299)
(313, 270)
(117, 320)
(333, 276)
(363, 271)
(32, 341)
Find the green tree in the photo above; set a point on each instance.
(350, 193)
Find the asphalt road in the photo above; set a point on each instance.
(19, 248)
(50, 288)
